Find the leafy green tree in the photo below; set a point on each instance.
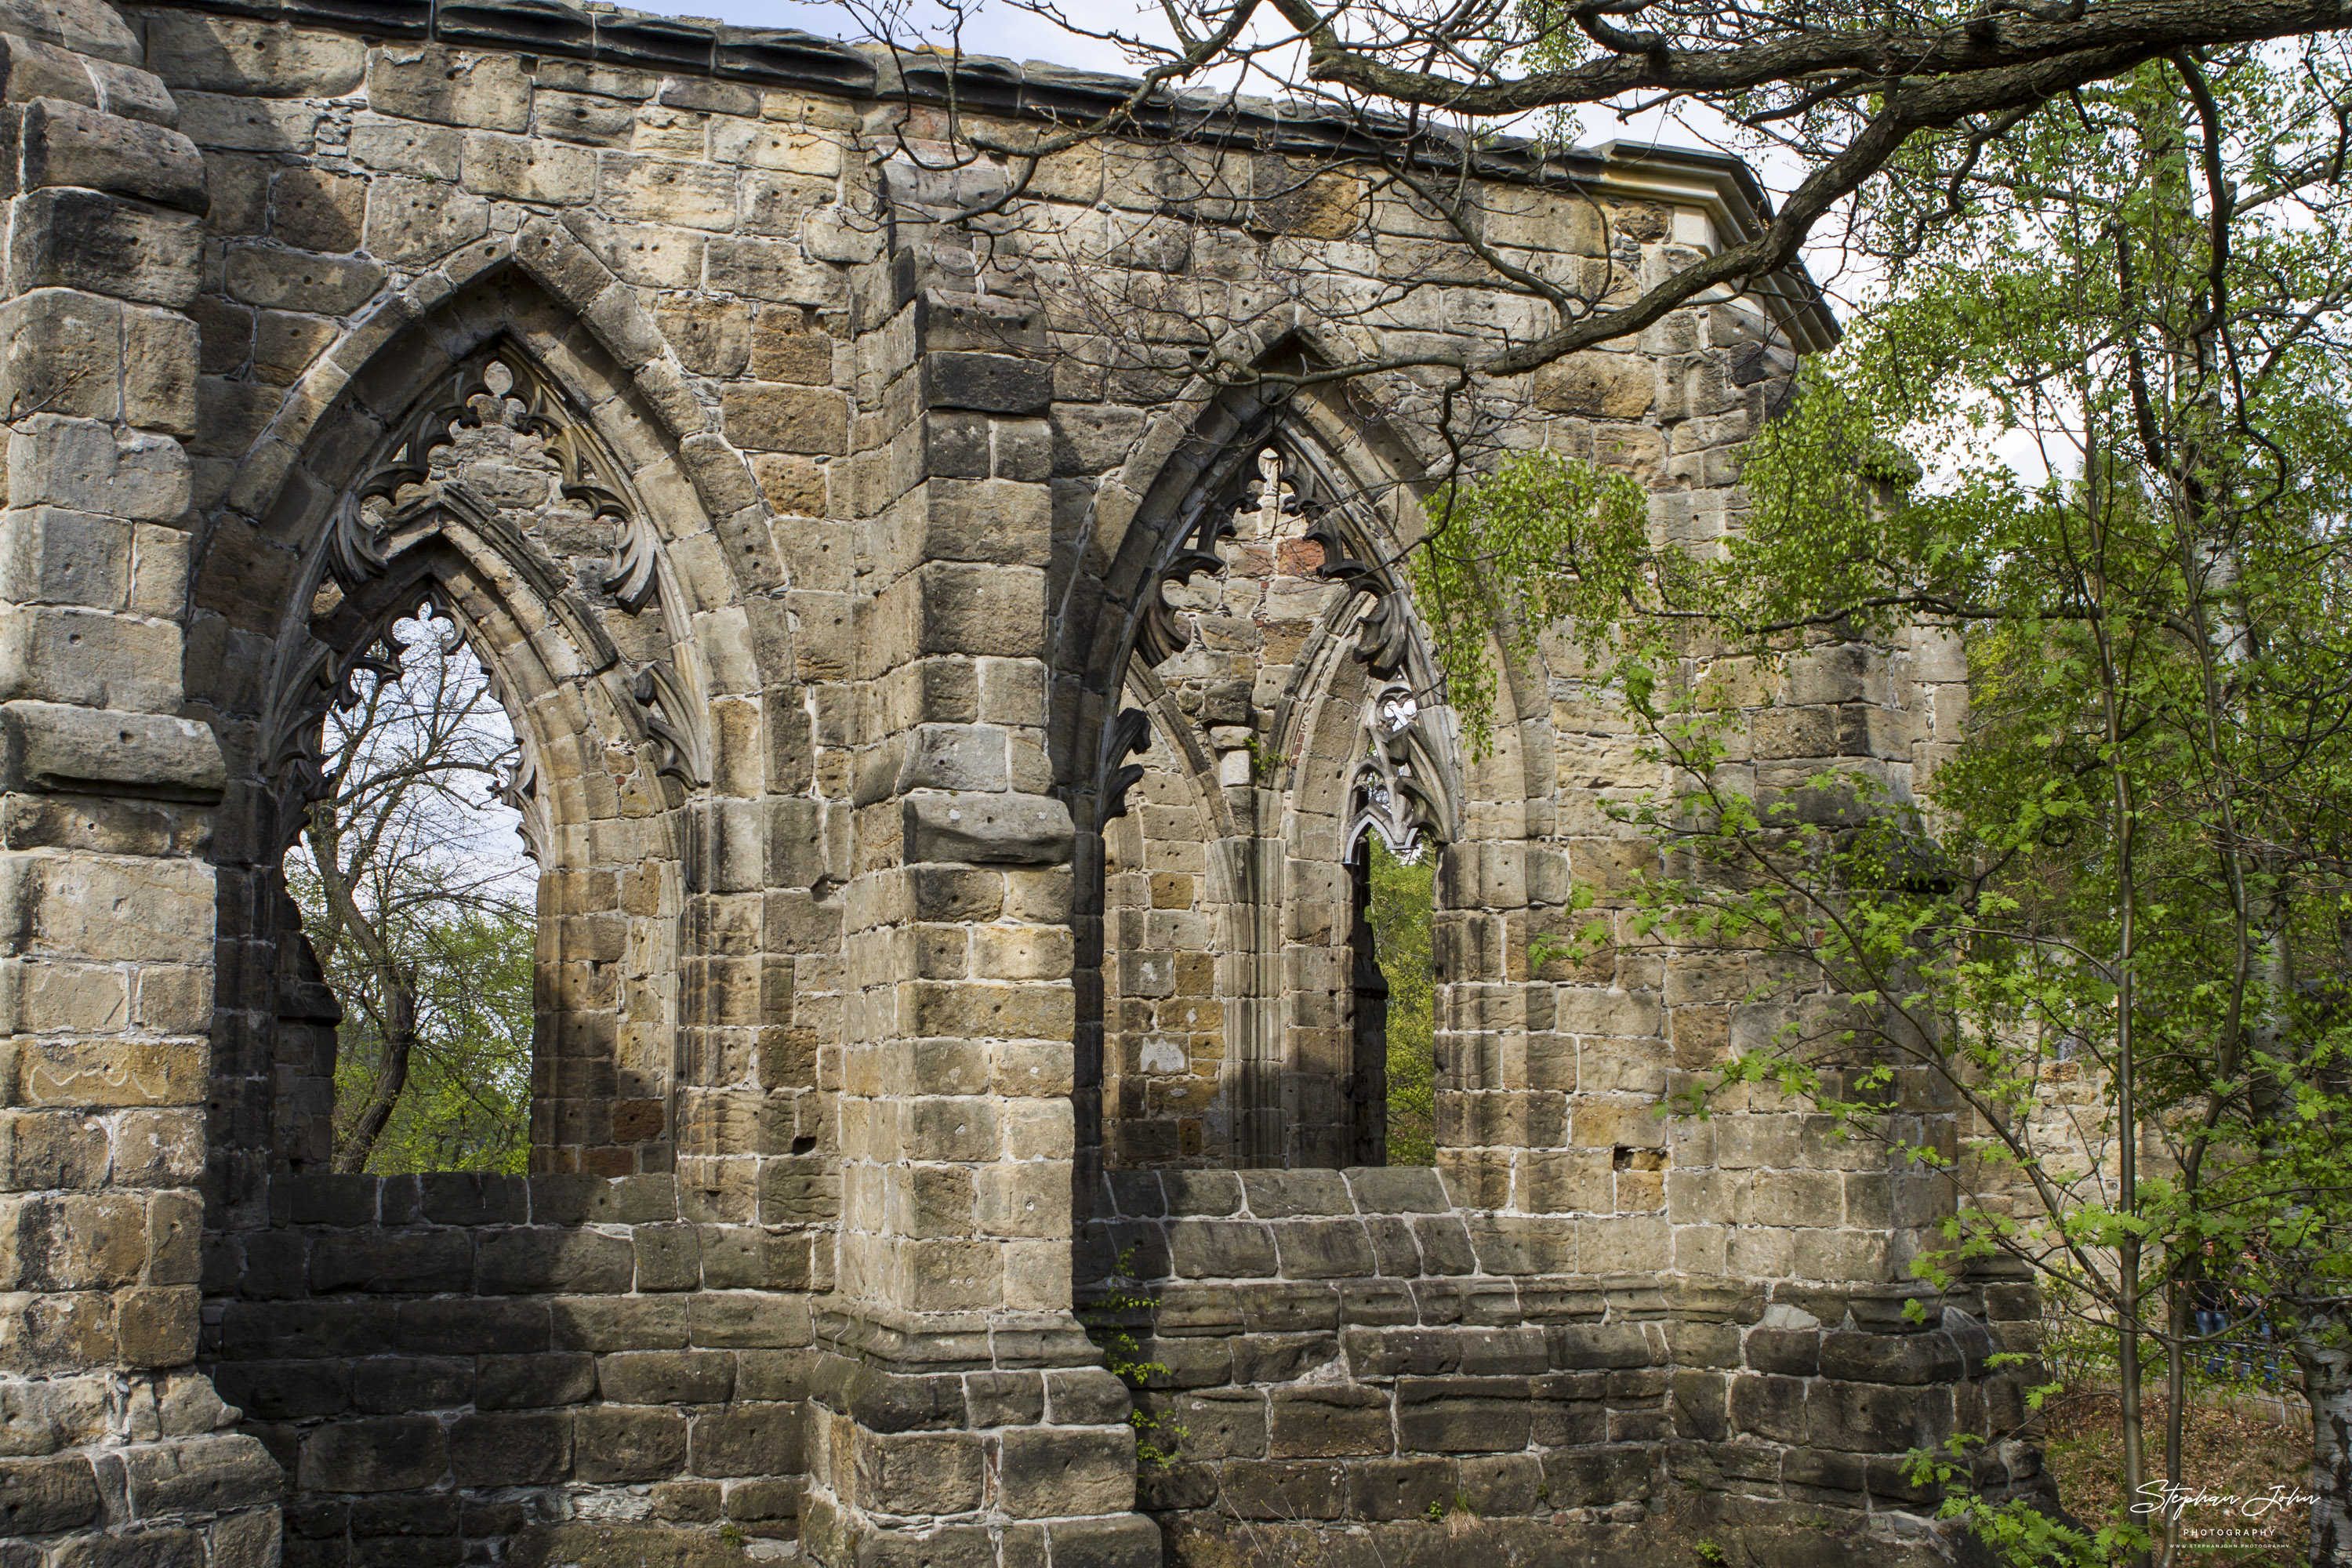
(2138, 855)
(421, 916)
(1401, 913)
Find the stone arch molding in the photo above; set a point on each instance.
(1298, 454)
(603, 666)
(1366, 474)
(397, 536)
(584, 328)
(1340, 736)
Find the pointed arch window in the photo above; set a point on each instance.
(1255, 758)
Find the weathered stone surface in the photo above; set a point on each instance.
(85, 239)
(509, 1450)
(449, 86)
(396, 1454)
(232, 54)
(892, 991)
(39, 1496)
(66, 144)
(1602, 386)
(51, 745)
(994, 384)
(214, 1473)
(787, 420)
(988, 829)
(282, 279)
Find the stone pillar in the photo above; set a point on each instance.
(969, 1419)
(115, 1446)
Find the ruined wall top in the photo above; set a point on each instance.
(1716, 191)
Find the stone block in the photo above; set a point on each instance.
(66, 144)
(284, 1390)
(93, 1073)
(510, 1451)
(294, 280)
(746, 1439)
(473, 1328)
(1220, 1249)
(61, 352)
(39, 1496)
(617, 1443)
(1324, 1250)
(666, 1377)
(545, 1259)
(1123, 1541)
(85, 239)
(407, 1385)
(156, 1326)
(1876, 1417)
(748, 1321)
(400, 1453)
(212, 1472)
(1911, 1359)
(990, 384)
(988, 829)
(782, 418)
(1768, 1406)
(1051, 1472)
(449, 86)
(534, 1382)
(231, 55)
(1328, 1420)
(915, 1472)
(416, 1262)
(45, 745)
(86, 466)
(1464, 1416)
(1285, 1489)
(411, 222)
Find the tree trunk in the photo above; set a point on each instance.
(2325, 1350)
(399, 1034)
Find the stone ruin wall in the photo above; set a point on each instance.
(944, 877)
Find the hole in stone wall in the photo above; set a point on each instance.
(419, 904)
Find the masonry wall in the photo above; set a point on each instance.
(945, 723)
(441, 1363)
(1350, 1352)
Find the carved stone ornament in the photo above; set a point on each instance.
(1161, 633)
(668, 713)
(517, 790)
(296, 761)
(1390, 797)
(472, 398)
(1129, 733)
(1384, 636)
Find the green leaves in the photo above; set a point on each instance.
(1546, 541)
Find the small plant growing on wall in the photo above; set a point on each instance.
(1157, 1438)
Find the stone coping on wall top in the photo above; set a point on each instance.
(1275, 1195)
(642, 40)
(469, 1198)
(1036, 89)
(1183, 1307)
